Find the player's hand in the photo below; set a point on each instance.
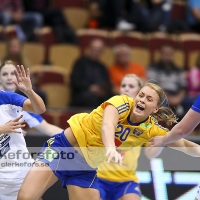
(24, 132)
(157, 141)
(12, 126)
(23, 81)
(112, 154)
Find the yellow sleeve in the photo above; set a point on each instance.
(158, 130)
(122, 103)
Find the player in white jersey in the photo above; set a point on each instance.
(15, 160)
(33, 120)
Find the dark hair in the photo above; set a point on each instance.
(18, 58)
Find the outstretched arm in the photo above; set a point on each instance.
(180, 130)
(183, 128)
(187, 147)
(153, 152)
(48, 129)
(34, 103)
(110, 120)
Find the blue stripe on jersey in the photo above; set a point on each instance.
(196, 105)
(125, 104)
(11, 98)
(36, 116)
(33, 120)
(123, 108)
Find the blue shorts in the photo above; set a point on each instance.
(115, 190)
(66, 163)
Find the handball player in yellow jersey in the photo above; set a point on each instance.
(120, 182)
(119, 123)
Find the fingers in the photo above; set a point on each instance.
(22, 70)
(24, 133)
(151, 140)
(15, 131)
(15, 128)
(17, 77)
(19, 126)
(16, 83)
(119, 159)
(28, 73)
(109, 155)
(114, 155)
(17, 119)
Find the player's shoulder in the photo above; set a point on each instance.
(155, 123)
(123, 100)
(124, 97)
(5, 96)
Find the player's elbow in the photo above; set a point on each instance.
(40, 110)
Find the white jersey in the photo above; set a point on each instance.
(15, 159)
(32, 119)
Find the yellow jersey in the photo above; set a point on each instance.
(126, 172)
(86, 128)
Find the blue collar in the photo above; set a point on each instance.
(135, 124)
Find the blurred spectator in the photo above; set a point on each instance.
(193, 79)
(193, 14)
(159, 14)
(14, 51)
(52, 17)
(120, 14)
(94, 15)
(150, 15)
(90, 82)
(11, 11)
(123, 65)
(170, 77)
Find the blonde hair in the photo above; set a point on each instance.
(137, 78)
(7, 62)
(164, 112)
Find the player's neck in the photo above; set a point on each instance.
(137, 119)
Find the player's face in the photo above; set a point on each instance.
(129, 86)
(7, 76)
(146, 102)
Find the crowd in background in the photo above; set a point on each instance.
(91, 81)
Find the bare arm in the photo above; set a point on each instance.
(110, 120)
(153, 152)
(186, 147)
(180, 130)
(34, 103)
(48, 129)
(183, 128)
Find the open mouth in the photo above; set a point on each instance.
(139, 107)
